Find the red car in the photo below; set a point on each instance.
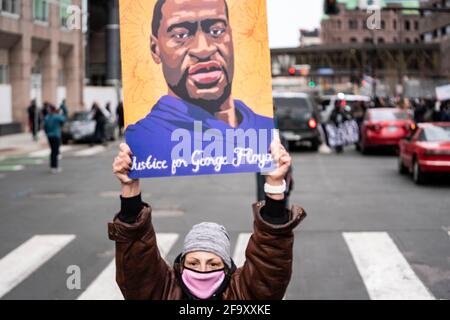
(427, 150)
(384, 127)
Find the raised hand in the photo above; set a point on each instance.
(121, 168)
(283, 162)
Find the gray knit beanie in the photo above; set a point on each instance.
(208, 237)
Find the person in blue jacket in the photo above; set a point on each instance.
(53, 123)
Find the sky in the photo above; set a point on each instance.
(286, 17)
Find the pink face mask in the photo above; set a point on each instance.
(202, 285)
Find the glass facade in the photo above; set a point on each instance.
(4, 75)
(10, 6)
(40, 10)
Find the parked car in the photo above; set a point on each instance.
(384, 127)
(297, 119)
(426, 151)
(81, 128)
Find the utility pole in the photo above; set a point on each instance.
(373, 65)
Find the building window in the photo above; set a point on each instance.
(407, 40)
(383, 24)
(395, 24)
(368, 40)
(63, 13)
(353, 40)
(10, 6)
(380, 40)
(40, 10)
(428, 37)
(61, 78)
(4, 74)
(353, 24)
(339, 24)
(407, 25)
(416, 25)
(436, 34)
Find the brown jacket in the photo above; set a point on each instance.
(143, 275)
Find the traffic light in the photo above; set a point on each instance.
(312, 84)
(299, 70)
(331, 7)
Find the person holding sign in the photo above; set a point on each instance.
(204, 270)
(197, 127)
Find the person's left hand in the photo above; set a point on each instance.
(283, 162)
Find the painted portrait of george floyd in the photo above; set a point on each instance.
(197, 86)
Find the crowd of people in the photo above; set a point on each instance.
(420, 110)
(51, 119)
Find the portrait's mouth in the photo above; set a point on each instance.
(206, 73)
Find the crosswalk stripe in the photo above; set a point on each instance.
(104, 287)
(239, 249)
(10, 168)
(385, 272)
(28, 257)
(46, 152)
(90, 151)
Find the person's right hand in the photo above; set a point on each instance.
(121, 167)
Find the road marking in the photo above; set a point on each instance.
(104, 287)
(239, 249)
(90, 151)
(10, 168)
(46, 152)
(385, 272)
(21, 161)
(28, 257)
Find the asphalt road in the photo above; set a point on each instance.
(370, 233)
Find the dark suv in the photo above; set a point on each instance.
(297, 119)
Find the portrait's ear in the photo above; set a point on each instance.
(154, 48)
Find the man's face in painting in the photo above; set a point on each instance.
(193, 42)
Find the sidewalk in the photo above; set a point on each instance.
(21, 144)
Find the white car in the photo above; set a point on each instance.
(350, 100)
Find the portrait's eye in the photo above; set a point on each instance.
(181, 34)
(216, 32)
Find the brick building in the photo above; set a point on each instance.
(350, 25)
(40, 58)
(435, 28)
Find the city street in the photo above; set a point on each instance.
(370, 232)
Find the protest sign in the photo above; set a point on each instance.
(197, 86)
(346, 133)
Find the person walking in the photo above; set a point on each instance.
(53, 123)
(120, 118)
(204, 270)
(33, 119)
(100, 123)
